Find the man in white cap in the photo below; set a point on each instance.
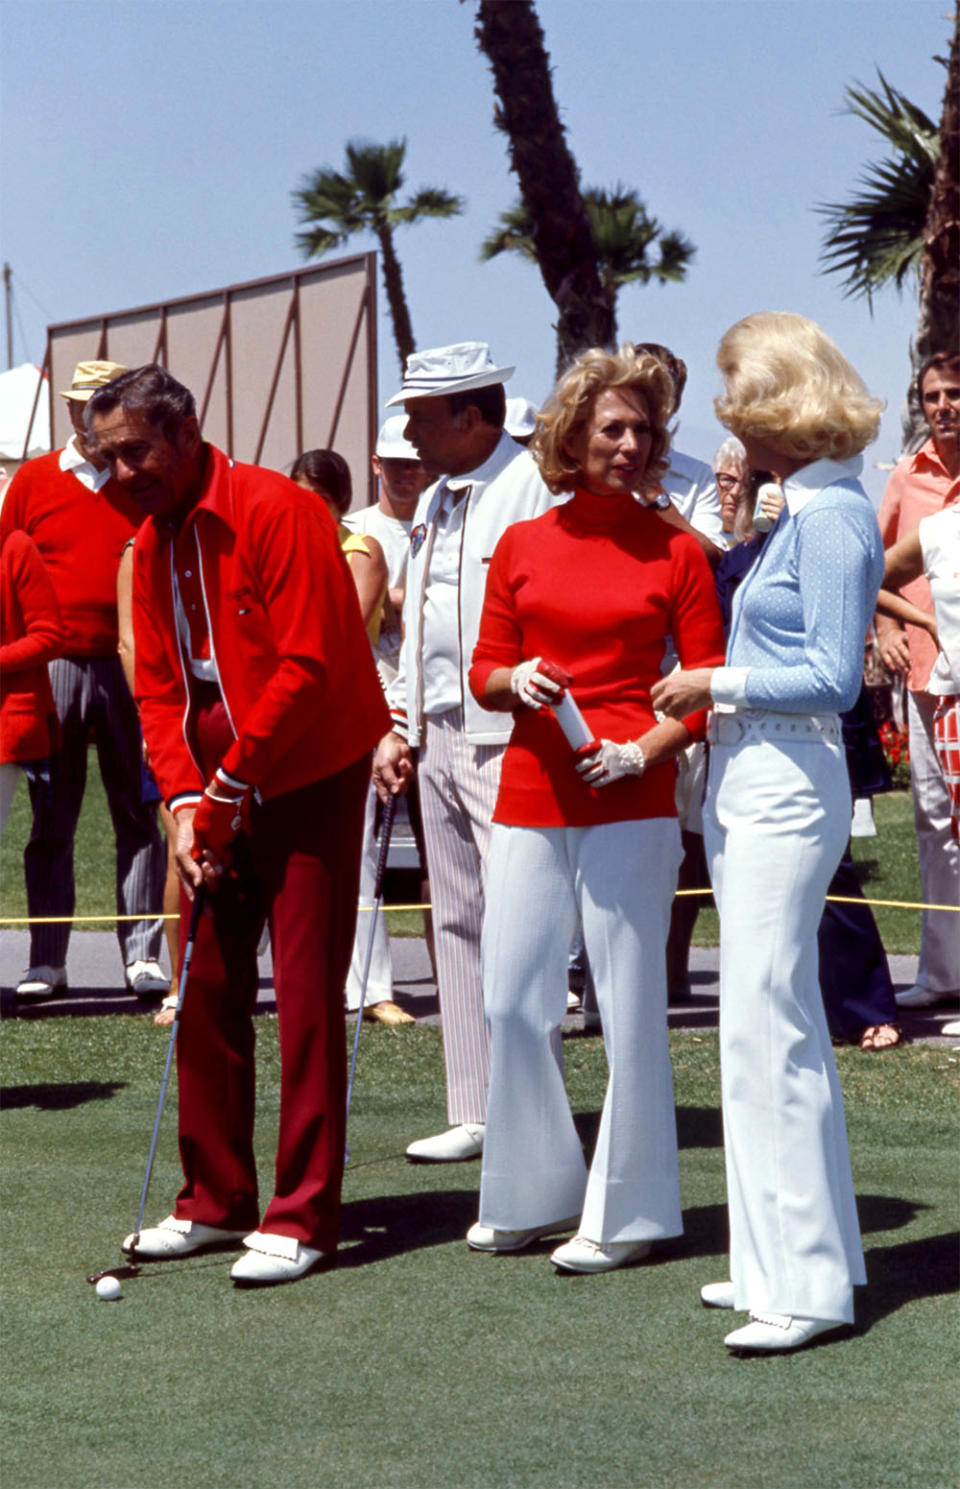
(401, 479)
(80, 520)
(455, 403)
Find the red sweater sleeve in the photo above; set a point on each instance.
(42, 637)
(499, 643)
(697, 624)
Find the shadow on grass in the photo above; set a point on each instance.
(58, 1098)
(697, 1127)
(925, 1268)
(390, 1225)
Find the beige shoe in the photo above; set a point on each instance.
(387, 1013)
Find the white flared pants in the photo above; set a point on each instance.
(619, 879)
(775, 821)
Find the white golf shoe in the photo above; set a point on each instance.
(925, 997)
(717, 1295)
(147, 979)
(41, 983)
(583, 1255)
(173, 1237)
(270, 1259)
(771, 1333)
(454, 1146)
(486, 1238)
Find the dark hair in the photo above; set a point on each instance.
(150, 391)
(327, 473)
(676, 368)
(492, 403)
(942, 361)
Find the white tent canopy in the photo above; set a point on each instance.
(18, 389)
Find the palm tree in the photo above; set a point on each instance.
(906, 224)
(363, 198)
(623, 234)
(509, 32)
(877, 238)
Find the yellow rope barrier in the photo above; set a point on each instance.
(834, 899)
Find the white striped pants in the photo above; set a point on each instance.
(91, 693)
(458, 792)
(380, 980)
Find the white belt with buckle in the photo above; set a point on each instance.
(788, 728)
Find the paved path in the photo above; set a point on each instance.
(97, 986)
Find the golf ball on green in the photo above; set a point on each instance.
(109, 1289)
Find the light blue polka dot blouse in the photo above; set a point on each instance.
(800, 617)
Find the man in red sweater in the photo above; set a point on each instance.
(80, 520)
(261, 705)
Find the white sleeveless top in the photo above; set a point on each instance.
(940, 545)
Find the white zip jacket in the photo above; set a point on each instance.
(507, 488)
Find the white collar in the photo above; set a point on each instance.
(805, 483)
(502, 453)
(86, 473)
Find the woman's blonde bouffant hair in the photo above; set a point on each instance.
(791, 388)
(571, 403)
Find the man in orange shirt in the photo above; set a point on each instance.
(921, 484)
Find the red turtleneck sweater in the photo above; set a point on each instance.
(595, 585)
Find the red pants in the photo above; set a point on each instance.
(300, 867)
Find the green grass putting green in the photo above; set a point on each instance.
(887, 865)
(418, 1363)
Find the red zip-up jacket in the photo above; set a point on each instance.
(295, 666)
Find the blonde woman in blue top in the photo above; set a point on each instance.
(776, 821)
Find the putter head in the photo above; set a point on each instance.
(124, 1269)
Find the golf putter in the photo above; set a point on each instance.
(132, 1267)
(386, 827)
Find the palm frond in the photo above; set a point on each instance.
(429, 201)
(876, 238)
(622, 230)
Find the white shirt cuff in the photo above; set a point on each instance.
(729, 684)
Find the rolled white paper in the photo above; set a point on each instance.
(572, 722)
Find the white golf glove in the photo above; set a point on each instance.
(538, 682)
(602, 762)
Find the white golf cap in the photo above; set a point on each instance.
(521, 419)
(391, 444)
(450, 369)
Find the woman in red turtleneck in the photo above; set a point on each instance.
(585, 597)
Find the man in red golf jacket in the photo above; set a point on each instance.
(260, 706)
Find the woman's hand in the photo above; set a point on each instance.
(537, 682)
(602, 761)
(682, 692)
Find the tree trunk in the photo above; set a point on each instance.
(939, 315)
(509, 32)
(396, 299)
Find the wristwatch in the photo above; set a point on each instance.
(661, 502)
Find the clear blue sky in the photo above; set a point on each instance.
(150, 148)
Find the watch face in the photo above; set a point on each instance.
(662, 501)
